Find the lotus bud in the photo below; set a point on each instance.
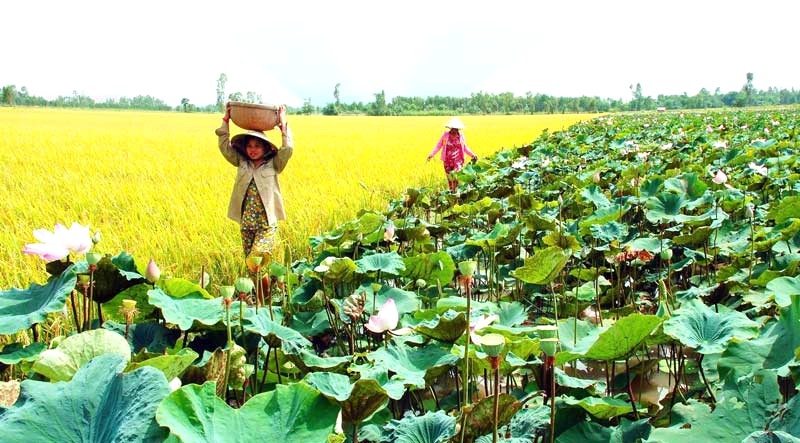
(96, 237)
(227, 292)
(596, 177)
(205, 279)
(83, 279)
(666, 254)
(421, 283)
(152, 273)
(256, 259)
(468, 267)
(244, 285)
(748, 211)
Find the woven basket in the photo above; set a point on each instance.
(253, 117)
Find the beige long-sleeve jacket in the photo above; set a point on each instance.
(266, 176)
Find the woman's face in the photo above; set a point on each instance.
(453, 131)
(255, 149)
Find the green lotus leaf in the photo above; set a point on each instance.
(341, 270)
(185, 311)
(437, 268)
(171, 365)
(783, 288)
(688, 185)
(608, 232)
(63, 362)
(291, 341)
(113, 275)
(358, 400)
(595, 195)
(138, 293)
(100, 404)
(602, 216)
(595, 387)
(15, 353)
(406, 301)
(433, 427)
(480, 420)
(735, 416)
(617, 341)
(650, 244)
(310, 324)
(593, 432)
(448, 327)
(771, 437)
(650, 187)
(787, 336)
(309, 361)
(149, 335)
(788, 419)
(22, 308)
(389, 263)
(512, 314)
(786, 209)
(543, 267)
(412, 365)
(708, 332)
(665, 207)
(603, 408)
(179, 288)
(294, 413)
(742, 358)
(502, 234)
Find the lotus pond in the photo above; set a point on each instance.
(632, 278)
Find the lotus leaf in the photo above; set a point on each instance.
(700, 327)
(388, 263)
(100, 404)
(358, 400)
(291, 341)
(294, 413)
(619, 340)
(185, 311)
(413, 365)
(63, 362)
(20, 309)
(437, 268)
(171, 365)
(603, 408)
(783, 288)
(543, 267)
(787, 333)
(151, 336)
(433, 427)
(15, 353)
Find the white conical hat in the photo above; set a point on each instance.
(454, 123)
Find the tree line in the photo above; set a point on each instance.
(476, 103)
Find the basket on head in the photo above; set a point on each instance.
(254, 117)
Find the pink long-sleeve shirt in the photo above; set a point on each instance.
(453, 150)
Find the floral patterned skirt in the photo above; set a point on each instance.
(258, 237)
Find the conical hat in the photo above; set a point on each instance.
(454, 123)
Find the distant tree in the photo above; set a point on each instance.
(9, 94)
(379, 105)
(185, 104)
(336, 94)
(636, 103)
(747, 89)
(236, 97)
(221, 91)
(307, 108)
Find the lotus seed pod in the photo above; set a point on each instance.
(244, 284)
(93, 258)
(226, 292)
(666, 254)
(421, 283)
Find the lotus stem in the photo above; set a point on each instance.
(91, 294)
(496, 367)
(229, 350)
(78, 325)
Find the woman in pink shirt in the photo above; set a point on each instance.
(453, 146)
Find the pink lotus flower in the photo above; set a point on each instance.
(58, 244)
(758, 169)
(152, 273)
(389, 234)
(720, 177)
(386, 319)
(476, 326)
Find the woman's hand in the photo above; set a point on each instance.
(227, 115)
(282, 118)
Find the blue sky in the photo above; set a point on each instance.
(300, 49)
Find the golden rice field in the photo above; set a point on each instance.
(156, 186)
